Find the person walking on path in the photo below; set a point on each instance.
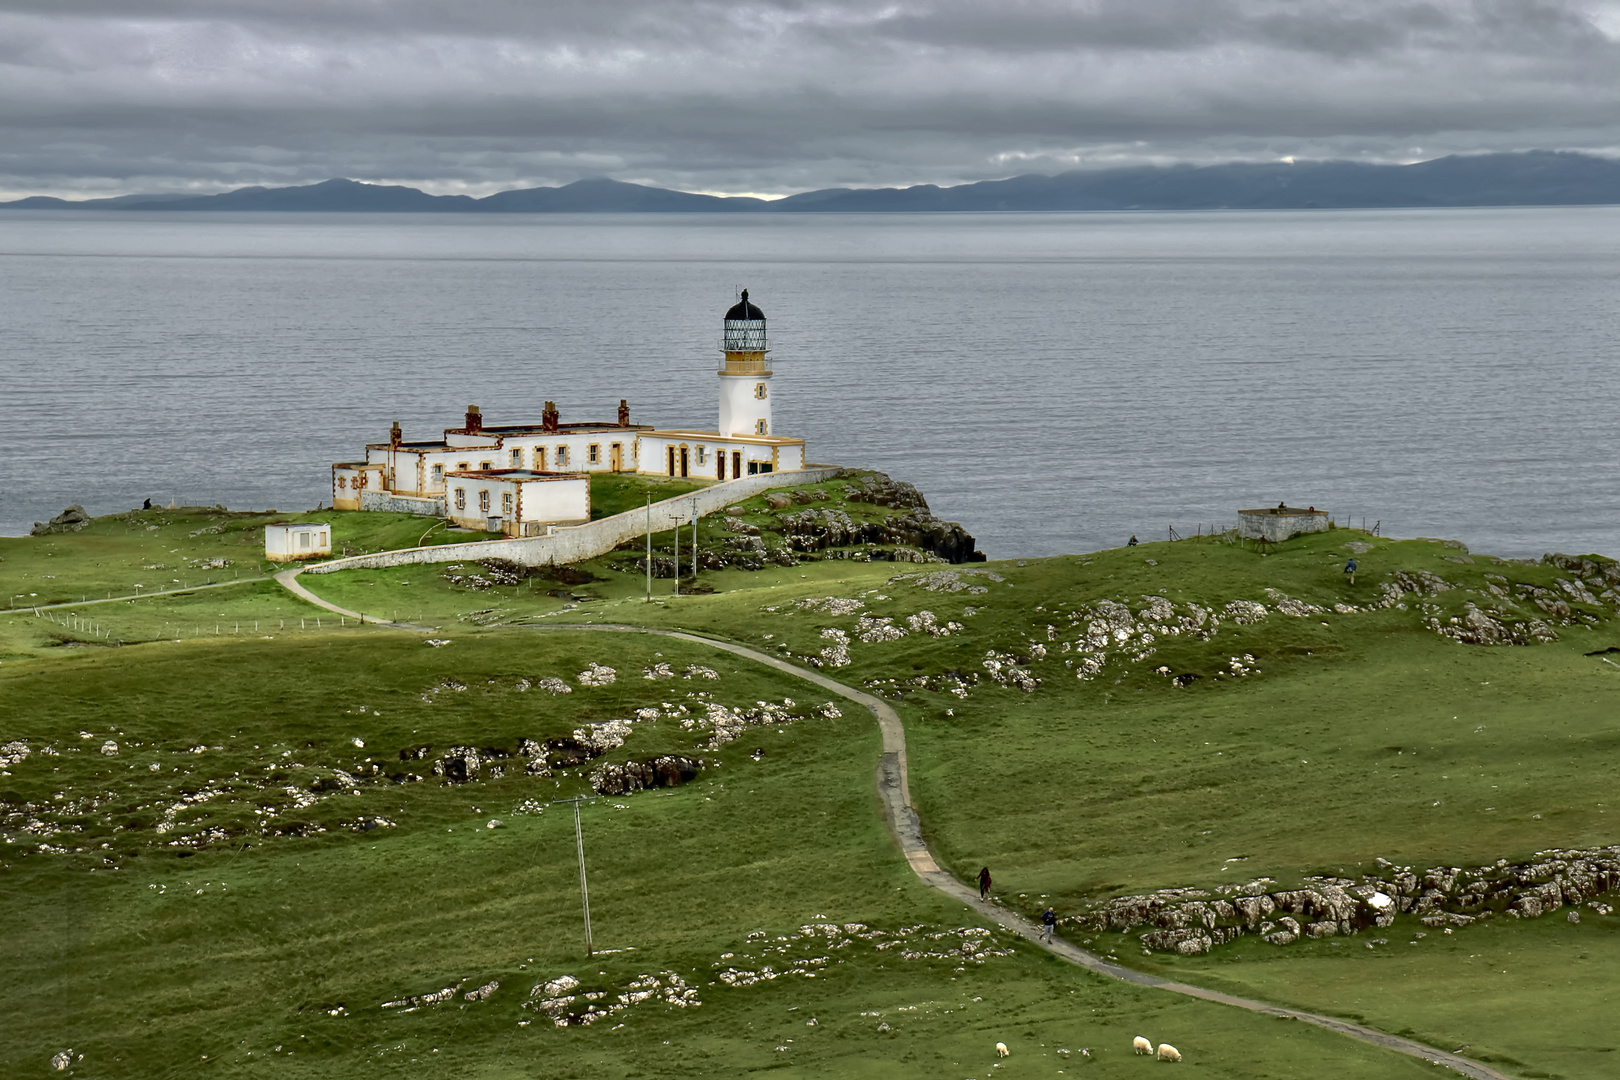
(984, 882)
(1048, 924)
(1350, 571)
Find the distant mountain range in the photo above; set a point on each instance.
(1534, 178)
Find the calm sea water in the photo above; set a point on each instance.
(1056, 382)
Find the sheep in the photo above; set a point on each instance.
(1168, 1053)
(1142, 1044)
(1001, 1050)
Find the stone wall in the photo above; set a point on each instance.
(388, 503)
(578, 543)
(1277, 527)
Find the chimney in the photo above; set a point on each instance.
(549, 418)
(624, 412)
(395, 436)
(475, 420)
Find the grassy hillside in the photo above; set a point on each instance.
(224, 902)
(256, 936)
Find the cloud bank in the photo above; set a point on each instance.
(111, 96)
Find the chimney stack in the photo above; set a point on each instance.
(475, 420)
(624, 412)
(395, 436)
(549, 418)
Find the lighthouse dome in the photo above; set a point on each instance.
(744, 310)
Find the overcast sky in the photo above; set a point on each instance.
(775, 96)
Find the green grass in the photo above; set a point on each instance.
(1533, 998)
(1356, 735)
(151, 960)
(614, 493)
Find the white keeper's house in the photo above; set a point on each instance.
(517, 479)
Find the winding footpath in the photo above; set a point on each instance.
(895, 790)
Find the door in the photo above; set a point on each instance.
(686, 461)
(616, 457)
(671, 460)
(720, 466)
(736, 463)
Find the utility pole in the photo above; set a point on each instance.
(649, 549)
(694, 541)
(677, 556)
(584, 888)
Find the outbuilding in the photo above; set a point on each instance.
(293, 541)
(1277, 525)
(516, 502)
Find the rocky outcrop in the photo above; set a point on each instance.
(1594, 568)
(669, 770)
(818, 529)
(1191, 921)
(879, 490)
(70, 520)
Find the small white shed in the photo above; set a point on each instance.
(290, 542)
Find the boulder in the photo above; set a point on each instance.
(70, 520)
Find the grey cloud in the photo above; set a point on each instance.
(773, 96)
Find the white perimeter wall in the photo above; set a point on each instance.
(578, 543)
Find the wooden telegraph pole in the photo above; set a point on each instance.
(584, 886)
(649, 549)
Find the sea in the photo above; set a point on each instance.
(1057, 383)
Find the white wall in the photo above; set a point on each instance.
(563, 499)
(576, 544)
(556, 500)
(740, 410)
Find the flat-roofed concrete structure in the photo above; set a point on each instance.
(292, 541)
(1281, 522)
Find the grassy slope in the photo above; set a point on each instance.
(614, 493)
(235, 951)
(1085, 788)
(1535, 997)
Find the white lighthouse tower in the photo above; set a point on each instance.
(745, 381)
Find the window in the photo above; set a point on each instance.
(702, 455)
(438, 474)
(303, 540)
(593, 453)
(461, 498)
(517, 459)
(562, 457)
(461, 466)
(484, 465)
(483, 502)
(759, 391)
(506, 502)
(761, 428)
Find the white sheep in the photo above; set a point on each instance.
(1142, 1044)
(1168, 1053)
(1001, 1050)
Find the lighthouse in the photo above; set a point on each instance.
(745, 380)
